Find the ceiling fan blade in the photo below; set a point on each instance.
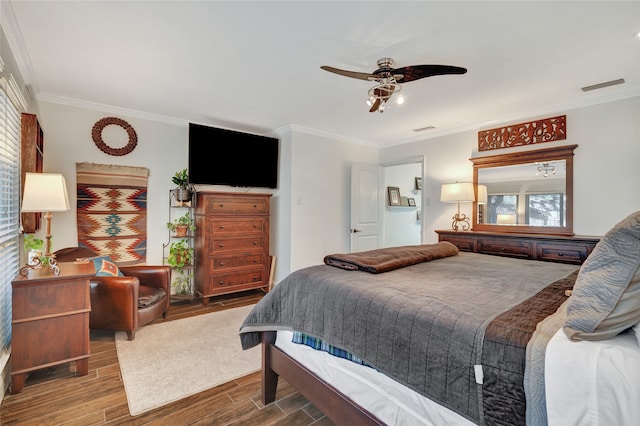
(416, 72)
(352, 74)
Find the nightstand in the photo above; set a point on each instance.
(50, 320)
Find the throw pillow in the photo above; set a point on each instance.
(606, 295)
(105, 267)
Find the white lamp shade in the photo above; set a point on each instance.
(506, 219)
(44, 192)
(482, 194)
(457, 192)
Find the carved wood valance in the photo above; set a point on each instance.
(543, 130)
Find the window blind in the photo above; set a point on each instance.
(9, 212)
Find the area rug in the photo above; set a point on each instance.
(176, 359)
(112, 211)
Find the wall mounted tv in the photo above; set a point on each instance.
(227, 157)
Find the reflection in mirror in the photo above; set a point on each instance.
(524, 194)
(526, 191)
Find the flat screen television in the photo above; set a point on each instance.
(228, 157)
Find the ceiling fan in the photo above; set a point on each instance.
(390, 78)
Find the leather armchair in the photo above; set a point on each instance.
(125, 303)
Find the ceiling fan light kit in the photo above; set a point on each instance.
(381, 93)
(389, 79)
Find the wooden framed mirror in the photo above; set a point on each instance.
(528, 192)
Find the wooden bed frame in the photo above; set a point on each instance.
(339, 408)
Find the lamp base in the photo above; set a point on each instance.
(37, 263)
(460, 222)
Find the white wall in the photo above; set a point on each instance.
(606, 172)
(162, 148)
(321, 196)
(401, 225)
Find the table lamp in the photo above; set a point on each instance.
(45, 193)
(459, 192)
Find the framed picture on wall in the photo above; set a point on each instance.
(418, 183)
(394, 196)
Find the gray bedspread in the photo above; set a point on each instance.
(422, 325)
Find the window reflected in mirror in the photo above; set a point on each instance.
(539, 210)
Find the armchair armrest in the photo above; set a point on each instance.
(114, 303)
(150, 276)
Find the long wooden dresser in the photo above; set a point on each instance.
(232, 243)
(548, 248)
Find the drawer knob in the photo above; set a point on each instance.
(221, 245)
(255, 260)
(221, 282)
(221, 263)
(255, 278)
(560, 254)
(501, 248)
(255, 206)
(221, 205)
(221, 227)
(255, 243)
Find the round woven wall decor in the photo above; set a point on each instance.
(96, 134)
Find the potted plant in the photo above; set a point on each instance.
(182, 284)
(183, 190)
(180, 254)
(182, 225)
(34, 249)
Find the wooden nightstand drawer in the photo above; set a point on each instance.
(503, 247)
(223, 262)
(49, 300)
(562, 253)
(219, 226)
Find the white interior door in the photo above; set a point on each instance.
(367, 206)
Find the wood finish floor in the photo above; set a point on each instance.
(57, 397)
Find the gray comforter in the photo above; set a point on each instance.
(422, 325)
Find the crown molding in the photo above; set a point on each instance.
(79, 103)
(17, 45)
(328, 135)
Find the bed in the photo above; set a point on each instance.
(461, 338)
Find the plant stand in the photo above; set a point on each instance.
(182, 277)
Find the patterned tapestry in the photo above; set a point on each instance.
(112, 211)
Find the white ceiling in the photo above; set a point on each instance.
(255, 66)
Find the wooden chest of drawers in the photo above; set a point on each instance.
(548, 248)
(232, 243)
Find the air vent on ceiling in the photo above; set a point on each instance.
(422, 129)
(602, 85)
